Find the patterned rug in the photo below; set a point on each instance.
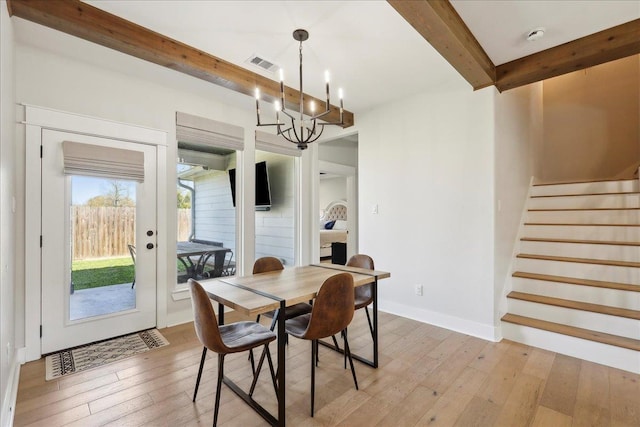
(89, 356)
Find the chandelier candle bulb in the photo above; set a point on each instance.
(312, 107)
(277, 108)
(258, 105)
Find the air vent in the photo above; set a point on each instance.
(263, 63)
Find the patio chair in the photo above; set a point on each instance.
(132, 251)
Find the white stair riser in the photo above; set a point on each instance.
(591, 294)
(620, 358)
(586, 188)
(583, 232)
(614, 325)
(586, 202)
(606, 273)
(586, 217)
(582, 250)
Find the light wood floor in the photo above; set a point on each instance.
(428, 376)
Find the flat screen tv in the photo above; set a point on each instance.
(263, 191)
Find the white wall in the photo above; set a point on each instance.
(8, 359)
(518, 124)
(332, 189)
(428, 163)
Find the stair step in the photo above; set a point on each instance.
(581, 260)
(577, 224)
(589, 242)
(614, 340)
(616, 193)
(586, 181)
(576, 281)
(576, 305)
(580, 209)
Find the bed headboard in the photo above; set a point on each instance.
(336, 210)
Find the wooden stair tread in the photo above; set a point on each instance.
(576, 305)
(613, 193)
(589, 242)
(581, 209)
(577, 281)
(588, 181)
(581, 260)
(579, 224)
(586, 334)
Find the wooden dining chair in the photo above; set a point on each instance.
(267, 264)
(331, 313)
(226, 339)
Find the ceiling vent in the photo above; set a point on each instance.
(263, 63)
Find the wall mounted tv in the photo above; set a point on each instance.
(263, 191)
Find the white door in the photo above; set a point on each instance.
(71, 316)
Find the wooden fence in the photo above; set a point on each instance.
(100, 232)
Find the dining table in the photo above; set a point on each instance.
(276, 290)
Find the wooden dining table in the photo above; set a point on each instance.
(276, 290)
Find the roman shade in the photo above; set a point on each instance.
(202, 131)
(101, 161)
(276, 144)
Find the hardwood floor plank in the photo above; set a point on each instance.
(593, 396)
(625, 398)
(562, 385)
(427, 376)
(546, 417)
(520, 407)
(478, 413)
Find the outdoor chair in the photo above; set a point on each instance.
(132, 251)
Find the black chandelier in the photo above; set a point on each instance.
(307, 130)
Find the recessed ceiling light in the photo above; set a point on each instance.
(535, 34)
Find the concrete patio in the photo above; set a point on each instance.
(103, 300)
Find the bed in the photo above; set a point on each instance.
(335, 212)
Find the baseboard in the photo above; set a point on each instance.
(457, 324)
(9, 402)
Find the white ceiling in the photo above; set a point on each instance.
(372, 53)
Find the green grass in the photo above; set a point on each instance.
(95, 273)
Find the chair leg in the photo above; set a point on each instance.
(256, 374)
(133, 283)
(366, 310)
(347, 351)
(314, 353)
(344, 337)
(204, 354)
(218, 388)
(253, 363)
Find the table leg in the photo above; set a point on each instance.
(220, 314)
(281, 366)
(375, 322)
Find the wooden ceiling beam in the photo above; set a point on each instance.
(95, 25)
(439, 23)
(608, 45)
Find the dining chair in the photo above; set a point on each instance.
(267, 264)
(132, 252)
(363, 294)
(226, 339)
(331, 313)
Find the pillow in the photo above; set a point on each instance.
(329, 225)
(340, 225)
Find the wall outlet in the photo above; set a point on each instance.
(419, 290)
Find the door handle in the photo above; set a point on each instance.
(149, 233)
(149, 245)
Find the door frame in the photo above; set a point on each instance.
(35, 120)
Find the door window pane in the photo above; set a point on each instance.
(102, 216)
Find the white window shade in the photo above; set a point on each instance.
(276, 144)
(201, 131)
(98, 160)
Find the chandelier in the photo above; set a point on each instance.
(299, 130)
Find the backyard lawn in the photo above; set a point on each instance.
(94, 273)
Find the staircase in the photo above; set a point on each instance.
(576, 288)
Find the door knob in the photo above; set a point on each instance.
(149, 245)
